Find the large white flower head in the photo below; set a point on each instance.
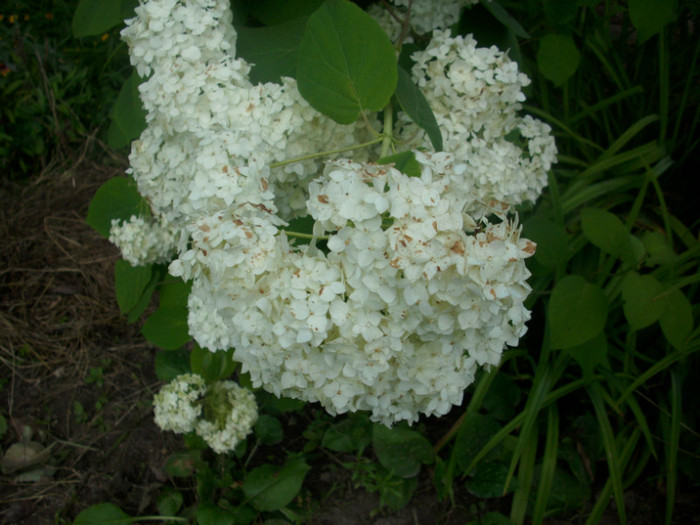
(409, 283)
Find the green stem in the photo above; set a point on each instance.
(325, 153)
(300, 235)
(387, 131)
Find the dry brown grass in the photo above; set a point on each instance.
(60, 326)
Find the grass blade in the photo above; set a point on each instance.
(549, 463)
(672, 445)
(611, 453)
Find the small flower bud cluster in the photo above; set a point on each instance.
(409, 285)
(222, 414)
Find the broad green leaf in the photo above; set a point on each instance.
(504, 17)
(502, 397)
(171, 363)
(129, 283)
(590, 354)
(346, 63)
(270, 488)
(210, 514)
(552, 241)
(183, 464)
(145, 298)
(94, 17)
(577, 312)
(212, 366)
(604, 229)
(414, 103)
(657, 249)
(117, 198)
(567, 493)
(405, 162)
(271, 12)
(476, 430)
(401, 450)
(558, 58)
(271, 50)
(167, 327)
(103, 514)
(649, 16)
(169, 501)
(642, 304)
(677, 319)
(268, 429)
(348, 435)
(128, 115)
(488, 480)
(174, 292)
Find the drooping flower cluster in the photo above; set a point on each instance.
(415, 281)
(222, 414)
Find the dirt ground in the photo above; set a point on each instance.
(76, 380)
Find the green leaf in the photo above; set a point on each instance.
(183, 464)
(169, 502)
(271, 12)
(272, 50)
(174, 292)
(405, 162)
(400, 449)
(567, 493)
(348, 435)
(130, 282)
(502, 397)
(117, 198)
(488, 480)
(552, 241)
(270, 488)
(346, 62)
(492, 518)
(642, 306)
(604, 229)
(212, 366)
(210, 514)
(590, 354)
(171, 363)
(128, 115)
(577, 312)
(94, 17)
(677, 319)
(167, 327)
(476, 430)
(145, 298)
(414, 103)
(558, 58)
(103, 514)
(502, 16)
(650, 16)
(268, 429)
(657, 248)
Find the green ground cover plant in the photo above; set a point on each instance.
(598, 396)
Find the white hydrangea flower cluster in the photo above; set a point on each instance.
(233, 414)
(476, 95)
(176, 405)
(407, 287)
(230, 411)
(142, 241)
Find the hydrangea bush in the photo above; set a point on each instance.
(413, 275)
